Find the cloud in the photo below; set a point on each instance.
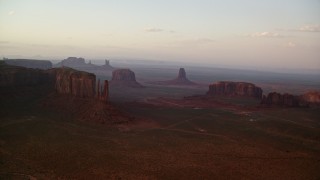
(266, 35)
(291, 45)
(11, 13)
(202, 41)
(309, 28)
(152, 29)
(196, 42)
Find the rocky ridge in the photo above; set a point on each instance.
(309, 99)
(228, 88)
(80, 64)
(29, 63)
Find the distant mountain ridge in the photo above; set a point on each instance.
(80, 64)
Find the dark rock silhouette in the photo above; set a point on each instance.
(78, 88)
(124, 78)
(62, 80)
(228, 88)
(107, 65)
(14, 76)
(29, 63)
(182, 74)
(181, 80)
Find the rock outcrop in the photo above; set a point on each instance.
(227, 88)
(181, 80)
(80, 100)
(103, 91)
(14, 76)
(76, 83)
(289, 100)
(107, 65)
(124, 78)
(311, 98)
(80, 64)
(29, 63)
(278, 99)
(73, 62)
(62, 80)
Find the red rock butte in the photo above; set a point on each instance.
(289, 100)
(180, 80)
(124, 78)
(228, 88)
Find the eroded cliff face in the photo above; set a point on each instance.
(76, 83)
(289, 100)
(14, 76)
(63, 80)
(278, 99)
(228, 88)
(124, 78)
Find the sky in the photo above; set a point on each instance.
(270, 34)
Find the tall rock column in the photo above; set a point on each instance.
(103, 91)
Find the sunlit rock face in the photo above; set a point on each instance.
(228, 88)
(124, 78)
(311, 98)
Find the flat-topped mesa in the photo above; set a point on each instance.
(73, 62)
(125, 78)
(76, 83)
(228, 88)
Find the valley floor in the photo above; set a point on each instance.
(169, 139)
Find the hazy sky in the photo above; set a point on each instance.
(271, 33)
